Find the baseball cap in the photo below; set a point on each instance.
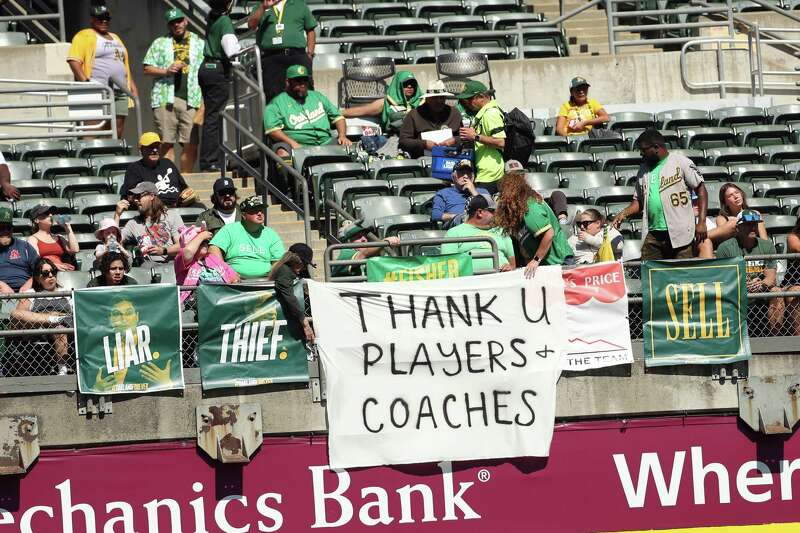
(40, 210)
(99, 12)
(224, 184)
(149, 138)
(145, 187)
(577, 81)
(747, 215)
(174, 14)
(512, 165)
(296, 71)
(350, 230)
(252, 203)
(6, 216)
(471, 88)
(482, 201)
(463, 164)
(305, 253)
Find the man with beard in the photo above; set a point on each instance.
(301, 117)
(664, 192)
(225, 210)
(433, 115)
(17, 257)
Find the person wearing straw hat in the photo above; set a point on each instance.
(434, 115)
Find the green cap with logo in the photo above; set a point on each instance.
(6, 216)
(578, 82)
(296, 71)
(471, 88)
(174, 14)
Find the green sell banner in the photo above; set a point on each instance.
(695, 312)
(245, 339)
(419, 268)
(128, 339)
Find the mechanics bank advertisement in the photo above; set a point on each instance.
(600, 476)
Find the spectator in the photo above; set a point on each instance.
(172, 188)
(761, 273)
(352, 232)
(307, 255)
(285, 273)
(705, 248)
(557, 200)
(663, 190)
(285, 35)
(17, 257)
(173, 62)
(480, 215)
(579, 114)
(58, 249)
(214, 78)
(586, 243)
(732, 201)
(194, 265)
(98, 55)
(523, 213)
(9, 191)
(792, 276)
(449, 203)
(224, 210)
(155, 229)
(248, 246)
(47, 312)
(433, 115)
(487, 132)
(113, 267)
(110, 238)
(402, 95)
(301, 117)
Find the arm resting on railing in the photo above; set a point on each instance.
(23, 314)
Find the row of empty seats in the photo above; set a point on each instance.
(78, 279)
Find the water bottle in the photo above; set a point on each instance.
(466, 122)
(113, 246)
(63, 219)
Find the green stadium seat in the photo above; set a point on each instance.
(712, 173)
(422, 202)
(348, 28)
(97, 147)
(390, 226)
(765, 206)
(779, 224)
(88, 205)
(369, 209)
(123, 219)
(682, 118)
(549, 144)
(784, 114)
(631, 251)
(346, 191)
(618, 161)
(326, 12)
(574, 209)
(698, 157)
(759, 172)
(36, 149)
(631, 120)
(61, 205)
(53, 168)
(309, 156)
(705, 138)
(72, 280)
(407, 186)
(164, 274)
(728, 116)
(189, 215)
(70, 187)
(762, 135)
(87, 241)
(790, 205)
(556, 162)
(20, 170)
(391, 169)
(543, 180)
(776, 188)
(605, 195)
(22, 226)
(781, 154)
(34, 188)
(8, 152)
(421, 249)
(79, 223)
(587, 179)
(435, 10)
(593, 145)
(142, 275)
(85, 260)
(487, 7)
(735, 155)
(382, 10)
(105, 165)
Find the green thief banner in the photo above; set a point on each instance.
(695, 312)
(245, 340)
(419, 268)
(128, 339)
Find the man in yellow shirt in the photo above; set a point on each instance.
(580, 114)
(488, 134)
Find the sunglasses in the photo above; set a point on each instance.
(47, 273)
(585, 223)
(151, 148)
(226, 193)
(104, 18)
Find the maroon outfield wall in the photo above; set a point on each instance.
(698, 471)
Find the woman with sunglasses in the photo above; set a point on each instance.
(732, 201)
(47, 312)
(60, 250)
(579, 114)
(402, 95)
(587, 241)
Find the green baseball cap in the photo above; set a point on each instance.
(350, 230)
(297, 71)
(577, 82)
(174, 14)
(471, 88)
(6, 216)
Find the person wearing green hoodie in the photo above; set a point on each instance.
(402, 95)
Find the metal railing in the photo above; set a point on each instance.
(768, 35)
(36, 18)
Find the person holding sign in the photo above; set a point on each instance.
(285, 273)
(523, 213)
(480, 214)
(433, 118)
(663, 191)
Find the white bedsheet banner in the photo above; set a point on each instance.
(441, 370)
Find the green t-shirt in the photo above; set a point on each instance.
(296, 19)
(250, 256)
(347, 254)
(505, 248)
(655, 210)
(755, 267)
(538, 219)
(488, 159)
(309, 123)
(221, 27)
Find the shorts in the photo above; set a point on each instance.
(121, 104)
(174, 122)
(657, 246)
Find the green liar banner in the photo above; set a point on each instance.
(419, 268)
(695, 312)
(128, 339)
(245, 340)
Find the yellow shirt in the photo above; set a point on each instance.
(575, 113)
(83, 48)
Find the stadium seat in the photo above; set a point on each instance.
(737, 155)
(777, 189)
(327, 48)
(762, 135)
(87, 241)
(793, 170)
(85, 260)
(504, 21)
(574, 209)
(486, 7)
(454, 69)
(95, 147)
(682, 118)
(728, 116)
(189, 215)
(781, 154)
(780, 242)
(404, 25)
(8, 152)
(784, 114)
(549, 144)
(422, 202)
(36, 149)
(491, 51)
(713, 187)
(421, 249)
(765, 206)
(164, 274)
(104, 165)
(779, 224)
(88, 205)
(349, 28)
(457, 23)
(671, 138)
(705, 138)
(435, 10)
(698, 157)
(543, 180)
(53, 168)
(324, 175)
(326, 12)
(627, 121)
(34, 188)
(541, 42)
(391, 169)
(587, 179)
(123, 219)
(115, 181)
(20, 170)
(420, 56)
(407, 186)
(382, 10)
(790, 205)
(605, 195)
(593, 145)
(712, 173)
(538, 126)
(345, 191)
(389, 226)
(555, 162)
(751, 173)
(71, 280)
(574, 196)
(317, 155)
(70, 187)
(631, 251)
(618, 161)
(79, 223)
(142, 275)
(369, 209)
(23, 207)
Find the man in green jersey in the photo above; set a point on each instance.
(663, 191)
(353, 232)
(300, 117)
(480, 212)
(487, 132)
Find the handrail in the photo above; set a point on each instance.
(330, 204)
(36, 17)
(722, 84)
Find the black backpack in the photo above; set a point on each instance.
(519, 136)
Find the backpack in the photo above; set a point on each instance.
(519, 136)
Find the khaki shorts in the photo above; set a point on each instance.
(120, 104)
(174, 122)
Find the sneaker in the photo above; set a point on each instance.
(63, 370)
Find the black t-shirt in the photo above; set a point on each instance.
(165, 175)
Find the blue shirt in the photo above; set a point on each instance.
(451, 200)
(16, 263)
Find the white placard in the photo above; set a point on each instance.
(440, 370)
(437, 136)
